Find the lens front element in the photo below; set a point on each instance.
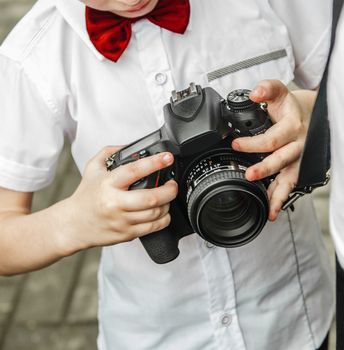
(227, 213)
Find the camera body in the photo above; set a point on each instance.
(214, 198)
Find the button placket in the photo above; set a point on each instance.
(218, 272)
(154, 63)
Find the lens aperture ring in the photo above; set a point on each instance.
(232, 182)
(211, 180)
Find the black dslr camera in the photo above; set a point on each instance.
(214, 199)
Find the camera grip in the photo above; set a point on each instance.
(161, 246)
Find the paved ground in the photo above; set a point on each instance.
(55, 308)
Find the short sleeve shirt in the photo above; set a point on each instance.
(335, 98)
(274, 293)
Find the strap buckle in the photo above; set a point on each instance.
(299, 192)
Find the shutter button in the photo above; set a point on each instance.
(160, 78)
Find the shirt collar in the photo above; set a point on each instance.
(74, 14)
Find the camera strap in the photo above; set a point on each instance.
(315, 160)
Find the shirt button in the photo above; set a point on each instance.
(226, 320)
(160, 78)
(209, 245)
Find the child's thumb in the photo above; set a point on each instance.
(98, 162)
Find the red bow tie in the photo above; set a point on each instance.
(110, 33)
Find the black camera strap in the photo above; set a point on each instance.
(316, 157)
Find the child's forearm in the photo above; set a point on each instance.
(32, 241)
(101, 212)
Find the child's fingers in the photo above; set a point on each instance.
(98, 161)
(143, 199)
(143, 229)
(269, 90)
(126, 175)
(278, 193)
(274, 138)
(275, 162)
(147, 215)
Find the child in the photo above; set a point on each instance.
(101, 80)
(335, 93)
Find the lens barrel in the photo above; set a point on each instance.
(223, 207)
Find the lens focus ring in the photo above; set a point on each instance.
(210, 180)
(226, 209)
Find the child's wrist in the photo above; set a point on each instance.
(66, 231)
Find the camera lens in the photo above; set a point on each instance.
(231, 217)
(223, 207)
(227, 212)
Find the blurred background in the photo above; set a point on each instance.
(55, 308)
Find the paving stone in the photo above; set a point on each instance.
(8, 291)
(82, 337)
(332, 338)
(46, 291)
(85, 298)
(7, 294)
(321, 204)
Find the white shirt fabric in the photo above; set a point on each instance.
(274, 293)
(335, 108)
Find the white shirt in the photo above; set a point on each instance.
(335, 108)
(274, 293)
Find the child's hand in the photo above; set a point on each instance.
(104, 212)
(285, 139)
